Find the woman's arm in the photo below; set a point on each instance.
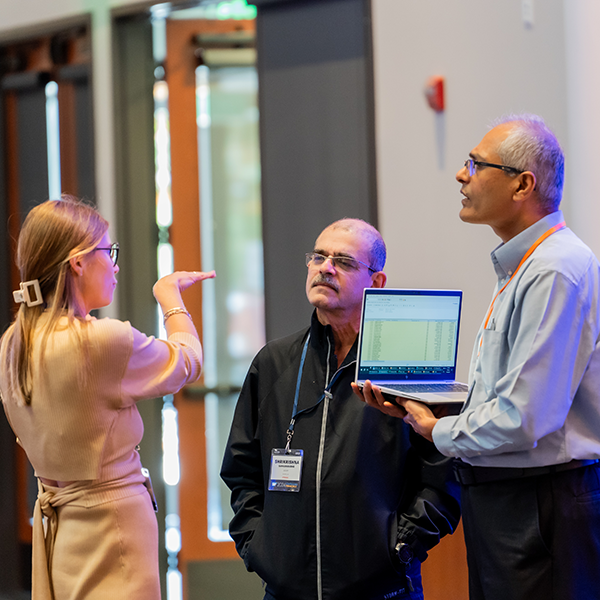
(167, 291)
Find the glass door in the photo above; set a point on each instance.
(209, 216)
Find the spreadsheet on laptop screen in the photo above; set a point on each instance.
(409, 330)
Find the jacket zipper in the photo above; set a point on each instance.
(318, 481)
(318, 474)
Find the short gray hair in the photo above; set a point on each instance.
(377, 249)
(531, 146)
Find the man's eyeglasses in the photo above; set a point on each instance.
(471, 165)
(113, 251)
(345, 263)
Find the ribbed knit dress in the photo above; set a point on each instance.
(80, 433)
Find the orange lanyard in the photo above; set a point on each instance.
(527, 255)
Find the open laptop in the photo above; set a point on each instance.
(408, 344)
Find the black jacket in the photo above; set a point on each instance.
(367, 480)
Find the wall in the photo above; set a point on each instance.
(493, 64)
(582, 18)
(317, 138)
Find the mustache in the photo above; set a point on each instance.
(325, 279)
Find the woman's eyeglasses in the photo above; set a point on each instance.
(113, 251)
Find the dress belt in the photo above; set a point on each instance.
(469, 475)
(48, 499)
(45, 522)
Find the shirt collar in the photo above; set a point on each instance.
(506, 257)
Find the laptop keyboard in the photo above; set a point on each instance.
(428, 387)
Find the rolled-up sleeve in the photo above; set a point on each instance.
(158, 367)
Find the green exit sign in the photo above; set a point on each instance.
(235, 9)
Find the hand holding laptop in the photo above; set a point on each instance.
(416, 414)
(420, 418)
(373, 396)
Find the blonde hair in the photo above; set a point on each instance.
(53, 233)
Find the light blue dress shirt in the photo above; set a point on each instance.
(535, 396)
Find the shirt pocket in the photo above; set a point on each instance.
(493, 358)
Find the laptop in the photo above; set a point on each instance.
(408, 344)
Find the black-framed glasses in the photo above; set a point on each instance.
(345, 263)
(471, 164)
(113, 252)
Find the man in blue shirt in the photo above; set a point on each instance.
(528, 437)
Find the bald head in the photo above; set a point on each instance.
(353, 255)
(375, 246)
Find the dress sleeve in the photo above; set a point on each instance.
(157, 367)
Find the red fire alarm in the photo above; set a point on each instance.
(434, 92)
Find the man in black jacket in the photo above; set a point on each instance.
(333, 500)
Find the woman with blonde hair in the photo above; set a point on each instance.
(69, 385)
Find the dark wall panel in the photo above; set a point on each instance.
(317, 137)
(31, 160)
(85, 138)
(33, 149)
(80, 77)
(5, 295)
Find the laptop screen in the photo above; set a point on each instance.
(409, 334)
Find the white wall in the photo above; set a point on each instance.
(582, 20)
(493, 64)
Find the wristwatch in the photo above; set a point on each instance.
(405, 553)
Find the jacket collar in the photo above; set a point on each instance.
(321, 334)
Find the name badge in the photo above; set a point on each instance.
(286, 470)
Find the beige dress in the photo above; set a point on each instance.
(95, 531)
